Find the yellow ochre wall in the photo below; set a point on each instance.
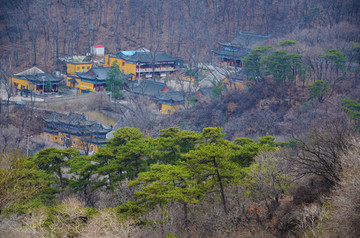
(234, 84)
(76, 141)
(72, 68)
(127, 68)
(69, 84)
(21, 82)
(81, 86)
(165, 108)
(188, 78)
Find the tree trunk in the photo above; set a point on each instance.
(220, 186)
(61, 178)
(186, 220)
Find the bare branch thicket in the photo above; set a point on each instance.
(345, 217)
(318, 153)
(140, 112)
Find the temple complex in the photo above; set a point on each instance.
(241, 45)
(74, 130)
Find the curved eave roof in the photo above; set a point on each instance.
(231, 54)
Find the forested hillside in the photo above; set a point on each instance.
(40, 31)
(276, 157)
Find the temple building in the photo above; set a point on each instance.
(235, 80)
(169, 102)
(74, 130)
(78, 67)
(93, 80)
(144, 64)
(36, 80)
(240, 46)
(150, 89)
(159, 93)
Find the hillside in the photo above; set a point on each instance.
(272, 153)
(40, 31)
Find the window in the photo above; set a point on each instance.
(62, 139)
(74, 142)
(55, 138)
(88, 68)
(123, 63)
(78, 69)
(82, 69)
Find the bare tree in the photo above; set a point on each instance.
(319, 152)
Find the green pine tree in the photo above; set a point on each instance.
(53, 160)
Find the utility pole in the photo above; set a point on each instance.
(27, 145)
(43, 78)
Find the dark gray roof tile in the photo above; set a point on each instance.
(149, 88)
(147, 57)
(247, 40)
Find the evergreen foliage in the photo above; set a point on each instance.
(115, 81)
(282, 66)
(48, 86)
(336, 57)
(319, 90)
(252, 62)
(288, 43)
(125, 156)
(52, 160)
(353, 109)
(83, 169)
(23, 185)
(172, 142)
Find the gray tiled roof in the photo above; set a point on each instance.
(247, 40)
(231, 54)
(238, 76)
(207, 92)
(149, 88)
(75, 123)
(171, 97)
(147, 57)
(100, 74)
(38, 78)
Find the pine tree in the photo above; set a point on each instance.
(125, 155)
(52, 160)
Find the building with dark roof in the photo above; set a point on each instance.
(158, 92)
(74, 130)
(77, 67)
(241, 45)
(149, 88)
(145, 64)
(169, 102)
(236, 80)
(93, 80)
(207, 92)
(36, 80)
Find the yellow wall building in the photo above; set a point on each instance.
(92, 81)
(81, 67)
(127, 68)
(144, 64)
(169, 102)
(71, 141)
(188, 78)
(74, 130)
(36, 80)
(235, 81)
(168, 109)
(233, 84)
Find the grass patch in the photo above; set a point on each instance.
(100, 117)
